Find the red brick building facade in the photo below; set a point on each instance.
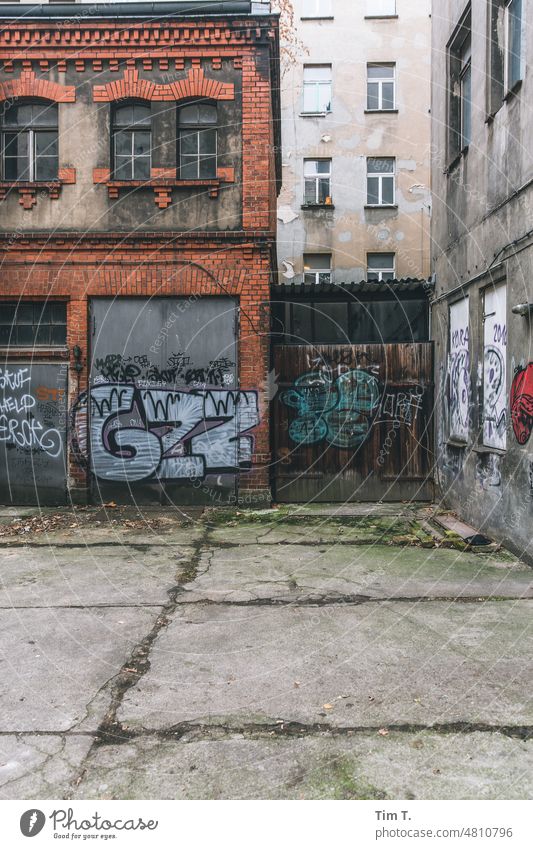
(138, 246)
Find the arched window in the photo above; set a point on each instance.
(197, 134)
(132, 141)
(30, 142)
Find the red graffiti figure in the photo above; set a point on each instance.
(522, 404)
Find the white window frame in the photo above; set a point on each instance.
(386, 175)
(380, 271)
(379, 81)
(312, 275)
(317, 84)
(317, 9)
(508, 83)
(316, 177)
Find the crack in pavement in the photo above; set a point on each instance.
(289, 728)
(138, 662)
(323, 601)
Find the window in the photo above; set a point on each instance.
(317, 89)
(317, 9)
(132, 141)
(466, 93)
(30, 142)
(380, 87)
(198, 141)
(26, 324)
(380, 8)
(380, 181)
(317, 177)
(460, 88)
(317, 268)
(513, 43)
(380, 266)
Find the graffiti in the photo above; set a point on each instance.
(20, 427)
(488, 472)
(118, 368)
(402, 406)
(137, 434)
(339, 411)
(522, 404)
(459, 370)
(345, 359)
(494, 371)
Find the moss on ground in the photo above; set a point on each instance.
(338, 780)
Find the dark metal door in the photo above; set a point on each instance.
(33, 420)
(353, 423)
(165, 407)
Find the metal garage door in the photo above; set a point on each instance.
(165, 410)
(33, 418)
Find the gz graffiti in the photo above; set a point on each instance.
(141, 433)
(342, 411)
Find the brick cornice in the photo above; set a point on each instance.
(86, 39)
(29, 85)
(196, 84)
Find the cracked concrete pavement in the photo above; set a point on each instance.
(293, 653)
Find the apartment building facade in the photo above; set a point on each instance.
(482, 256)
(137, 210)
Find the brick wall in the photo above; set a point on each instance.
(76, 269)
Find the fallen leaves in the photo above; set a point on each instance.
(77, 517)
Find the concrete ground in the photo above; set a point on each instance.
(298, 653)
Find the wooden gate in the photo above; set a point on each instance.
(353, 423)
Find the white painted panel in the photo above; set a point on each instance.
(459, 370)
(495, 368)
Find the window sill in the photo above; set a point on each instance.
(162, 184)
(317, 18)
(509, 95)
(35, 352)
(485, 449)
(455, 162)
(456, 443)
(317, 206)
(381, 206)
(381, 17)
(314, 114)
(381, 111)
(162, 188)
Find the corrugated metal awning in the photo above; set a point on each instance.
(299, 289)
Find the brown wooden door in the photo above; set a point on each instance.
(353, 422)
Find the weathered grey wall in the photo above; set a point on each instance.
(85, 143)
(480, 207)
(348, 136)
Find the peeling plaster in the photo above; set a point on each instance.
(288, 272)
(286, 215)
